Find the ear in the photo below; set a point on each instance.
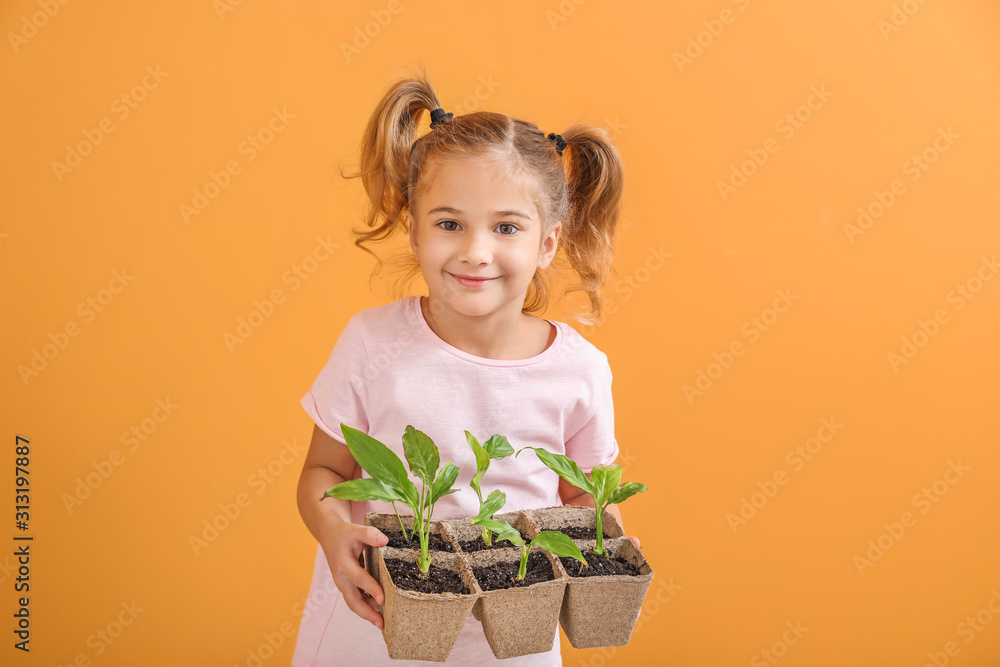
(549, 245)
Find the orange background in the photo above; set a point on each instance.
(682, 127)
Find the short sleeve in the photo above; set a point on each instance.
(595, 443)
(340, 393)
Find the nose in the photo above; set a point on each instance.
(476, 248)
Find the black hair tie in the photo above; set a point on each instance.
(560, 143)
(439, 116)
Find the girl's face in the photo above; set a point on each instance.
(470, 223)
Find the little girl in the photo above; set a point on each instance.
(487, 201)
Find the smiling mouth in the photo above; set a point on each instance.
(471, 282)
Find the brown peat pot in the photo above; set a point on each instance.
(602, 610)
(594, 611)
(423, 626)
(519, 620)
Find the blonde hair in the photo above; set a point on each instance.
(585, 194)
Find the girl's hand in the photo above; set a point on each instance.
(635, 540)
(346, 541)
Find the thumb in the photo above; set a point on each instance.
(634, 539)
(372, 536)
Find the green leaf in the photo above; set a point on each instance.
(558, 544)
(482, 463)
(442, 485)
(492, 504)
(421, 454)
(605, 479)
(381, 463)
(364, 488)
(626, 491)
(504, 530)
(498, 447)
(565, 467)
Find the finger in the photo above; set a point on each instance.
(360, 578)
(372, 536)
(634, 539)
(374, 605)
(355, 602)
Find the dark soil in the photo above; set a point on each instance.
(504, 575)
(478, 544)
(578, 532)
(399, 541)
(406, 575)
(598, 566)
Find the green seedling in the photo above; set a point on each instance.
(390, 483)
(556, 543)
(495, 448)
(603, 485)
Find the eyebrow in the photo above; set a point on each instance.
(499, 214)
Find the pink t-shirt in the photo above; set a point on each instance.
(388, 369)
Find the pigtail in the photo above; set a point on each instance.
(385, 152)
(595, 184)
